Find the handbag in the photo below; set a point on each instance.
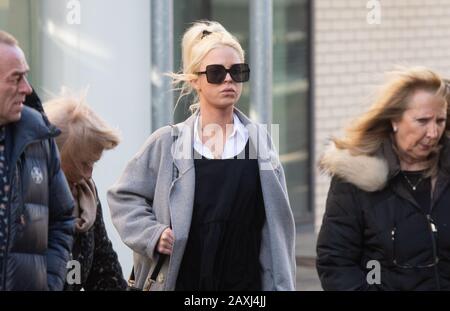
(151, 279)
(162, 258)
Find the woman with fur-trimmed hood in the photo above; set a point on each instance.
(387, 219)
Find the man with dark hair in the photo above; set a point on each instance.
(36, 223)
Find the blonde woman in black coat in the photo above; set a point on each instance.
(84, 137)
(387, 210)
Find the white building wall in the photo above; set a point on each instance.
(109, 52)
(351, 56)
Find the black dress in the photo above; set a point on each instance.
(222, 251)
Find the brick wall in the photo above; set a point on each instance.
(351, 56)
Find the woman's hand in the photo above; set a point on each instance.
(165, 243)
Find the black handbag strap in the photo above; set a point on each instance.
(153, 276)
(158, 267)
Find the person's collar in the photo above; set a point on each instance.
(444, 162)
(238, 128)
(196, 132)
(387, 152)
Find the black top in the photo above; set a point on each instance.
(422, 193)
(222, 251)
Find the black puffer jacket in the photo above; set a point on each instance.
(41, 225)
(366, 201)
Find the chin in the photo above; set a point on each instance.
(423, 156)
(16, 117)
(226, 105)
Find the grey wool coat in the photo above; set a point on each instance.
(145, 201)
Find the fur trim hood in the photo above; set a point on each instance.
(372, 173)
(369, 173)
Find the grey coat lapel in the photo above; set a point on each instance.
(261, 140)
(278, 243)
(181, 194)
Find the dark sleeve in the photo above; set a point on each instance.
(106, 273)
(340, 241)
(61, 222)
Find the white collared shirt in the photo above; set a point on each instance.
(234, 145)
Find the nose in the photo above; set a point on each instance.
(25, 87)
(432, 131)
(228, 77)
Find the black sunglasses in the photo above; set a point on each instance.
(216, 74)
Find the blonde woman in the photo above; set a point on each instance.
(387, 210)
(84, 136)
(200, 193)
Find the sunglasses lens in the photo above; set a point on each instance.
(215, 74)
(240, 72)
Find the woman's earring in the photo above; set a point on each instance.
(395, 129)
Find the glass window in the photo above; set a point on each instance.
(291, 100)
(17, 18)
(233, 14)
(290, 80)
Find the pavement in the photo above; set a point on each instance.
(307, 278)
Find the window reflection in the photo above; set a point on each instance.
(291, 100)
(290, 80)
